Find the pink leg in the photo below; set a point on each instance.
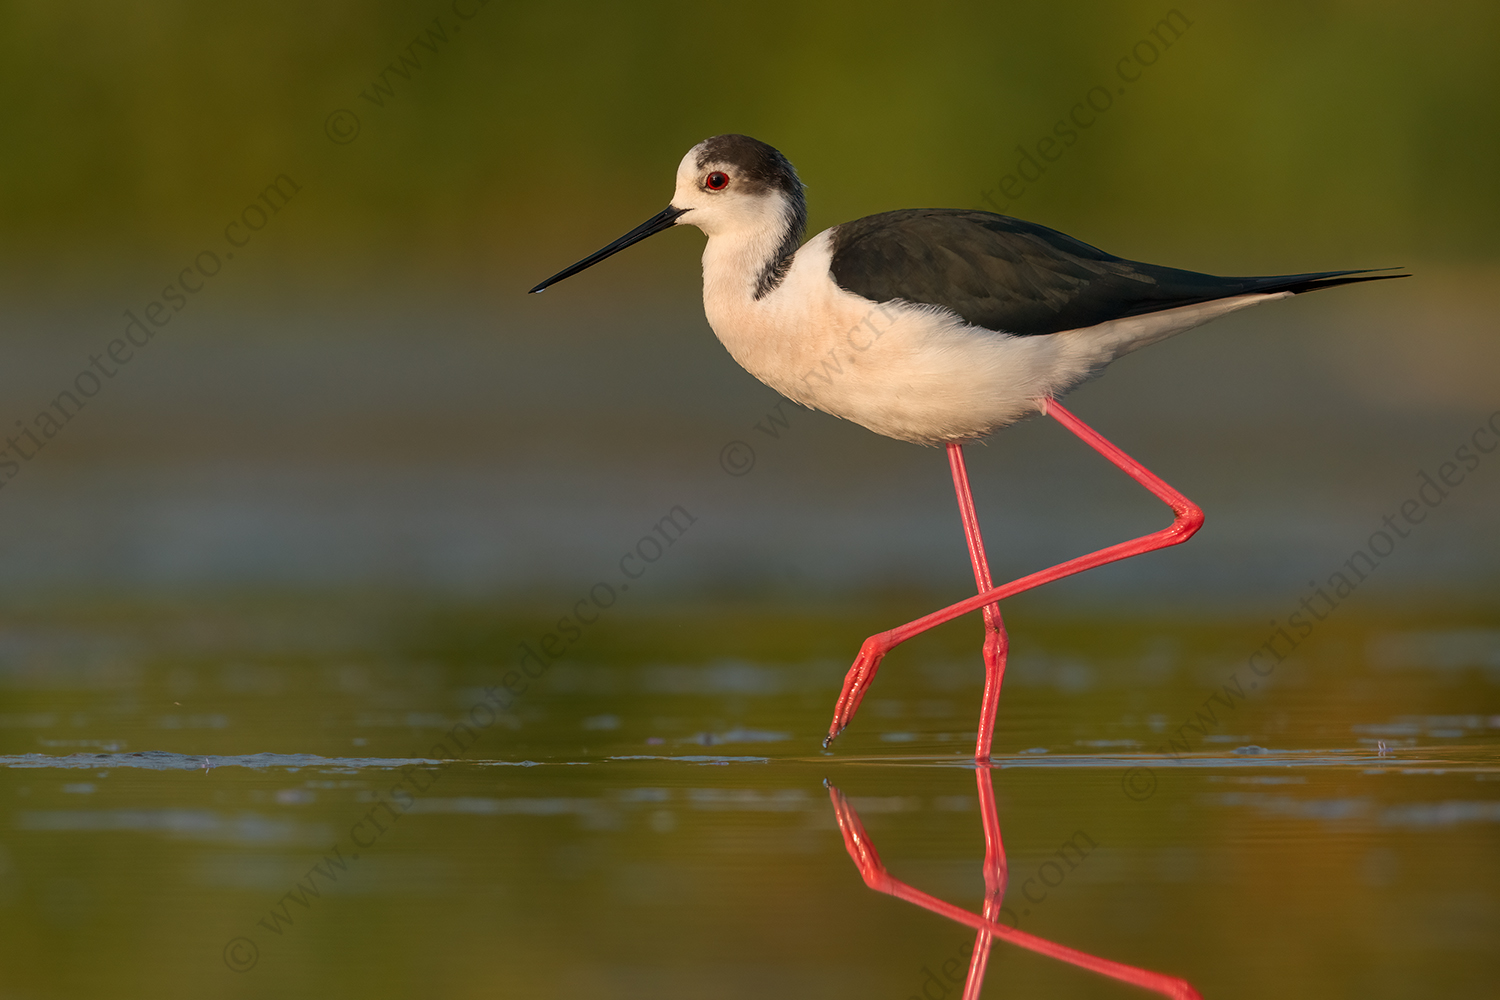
(862, 850)
(1188, 519)
(996, 873)
(996, 642)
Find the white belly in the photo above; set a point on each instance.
(915, 373)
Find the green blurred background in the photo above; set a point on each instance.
(364, 396)
(1273, 137)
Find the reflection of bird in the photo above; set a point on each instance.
(936, 326)
(998, 921)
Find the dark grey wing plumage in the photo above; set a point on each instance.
(1005, 274)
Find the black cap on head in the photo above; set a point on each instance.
(757, 163)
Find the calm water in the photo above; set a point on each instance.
(249, 797)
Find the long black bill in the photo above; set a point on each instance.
(664, 219)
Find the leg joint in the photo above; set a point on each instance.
(1189, 519)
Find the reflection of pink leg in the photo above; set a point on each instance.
(860, 848)
(996, 642)
(995, 874)
(1187, 521)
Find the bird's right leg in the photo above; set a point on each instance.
(996, 641)
(1188, 518)
(996, 874)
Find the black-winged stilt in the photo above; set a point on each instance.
(936, 326)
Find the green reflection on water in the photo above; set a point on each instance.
(674, 836)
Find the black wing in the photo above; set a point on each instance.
(1004, 274)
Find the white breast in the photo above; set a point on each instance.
(916, 373)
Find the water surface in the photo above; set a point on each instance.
(307, 797)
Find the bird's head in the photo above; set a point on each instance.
(727, 184)
(733, 183)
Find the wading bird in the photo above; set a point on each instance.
(935, 326)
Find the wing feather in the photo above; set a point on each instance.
(1009, 275)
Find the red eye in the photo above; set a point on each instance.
(716, 181)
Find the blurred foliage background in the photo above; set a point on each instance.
(365, 393)
(1286, 132)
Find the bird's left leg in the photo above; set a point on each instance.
(1187, 519)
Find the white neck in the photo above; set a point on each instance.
(744, 248)
(733, 263)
